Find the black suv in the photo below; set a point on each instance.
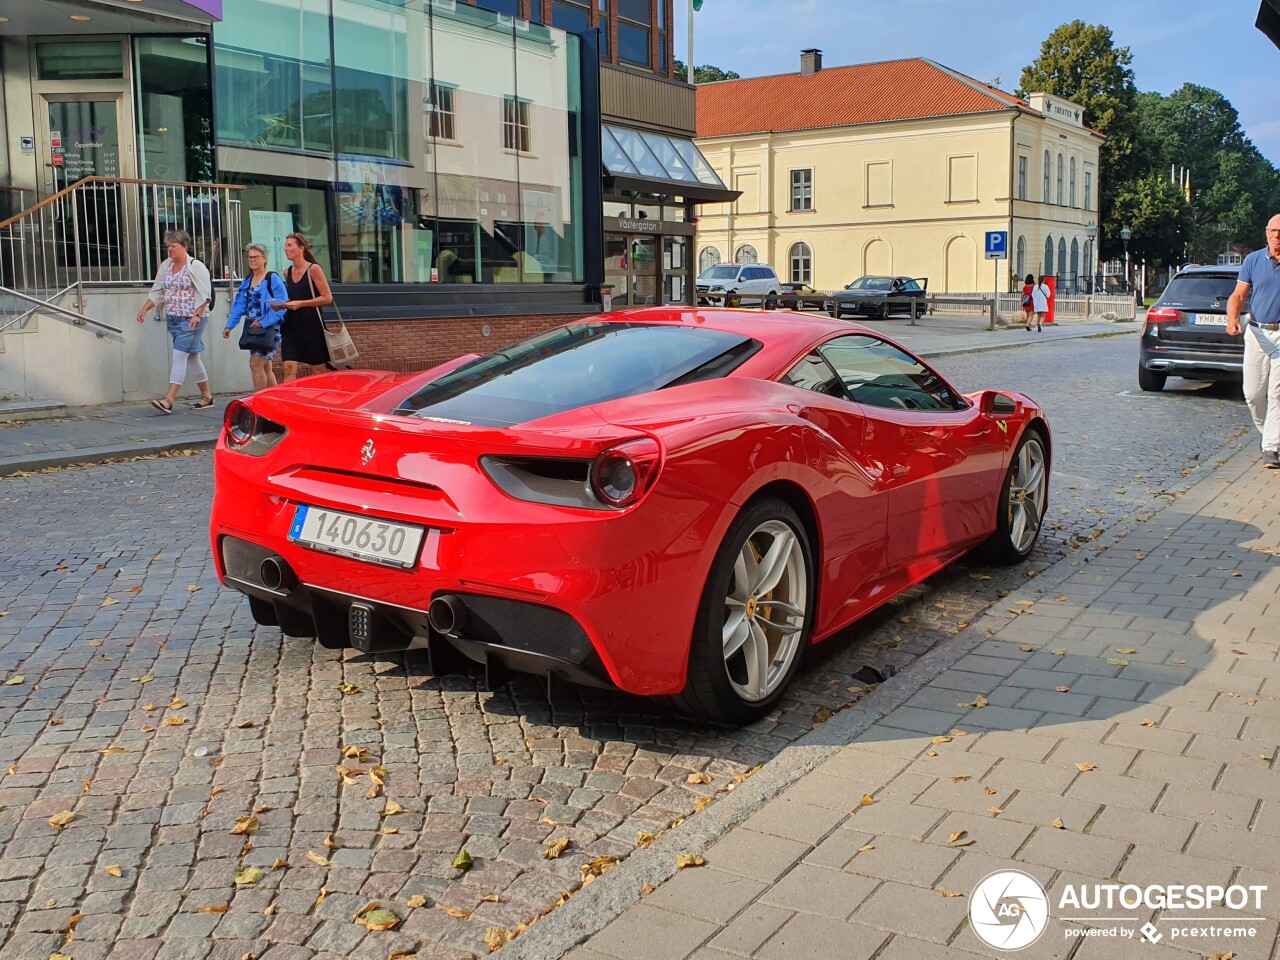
(1185, 333)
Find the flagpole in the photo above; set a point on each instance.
(689, 68)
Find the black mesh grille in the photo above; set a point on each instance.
(243, 560)
(527, 626)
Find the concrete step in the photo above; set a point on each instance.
(17, 411)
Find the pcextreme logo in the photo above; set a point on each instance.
(1009, 910)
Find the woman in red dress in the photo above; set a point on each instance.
(1028, 308)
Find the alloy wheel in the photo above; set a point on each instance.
(1028, 488)
(764, 611)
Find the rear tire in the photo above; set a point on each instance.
(1024, 497)
(763, 580)
(1151, 381)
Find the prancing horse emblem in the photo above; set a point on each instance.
(366, 452)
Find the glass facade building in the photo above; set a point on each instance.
(427, 144)
(435, 152)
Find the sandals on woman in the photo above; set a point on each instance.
(163, 405)
(202, 403)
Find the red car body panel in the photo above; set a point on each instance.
(892, 495)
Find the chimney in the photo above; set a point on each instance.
(810, 62)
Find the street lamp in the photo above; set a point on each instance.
(1091, 231)
(1125, 234)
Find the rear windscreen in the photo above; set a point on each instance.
(576, 366)
(1203, 290)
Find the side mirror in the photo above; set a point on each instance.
(995, 404)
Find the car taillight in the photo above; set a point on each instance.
(239, 422)
(248, 433)
(623, 474)
(1163, 315)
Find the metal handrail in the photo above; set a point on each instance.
(49, 305)
(66, 191)
(111, 230)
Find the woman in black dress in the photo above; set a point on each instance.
(308, 291)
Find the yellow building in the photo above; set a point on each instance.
(897, 168)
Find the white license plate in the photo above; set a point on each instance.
(1210, 320)
(362, 538)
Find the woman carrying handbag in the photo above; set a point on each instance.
(262, 321)
(304, 337)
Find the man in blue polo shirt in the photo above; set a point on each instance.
(1259, 282)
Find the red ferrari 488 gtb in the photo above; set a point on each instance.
(664, 501)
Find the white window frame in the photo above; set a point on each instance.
(1048, 174)
(802, 259)
(801, 190)
(517, 131)
(1060, 193)
(1023, 163)
(442, 124)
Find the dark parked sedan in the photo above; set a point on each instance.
(1185, 334)
(801, 296)
(878, 297)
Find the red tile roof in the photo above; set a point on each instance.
(843, 96)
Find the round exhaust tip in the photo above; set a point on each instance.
(447, 614)
(275, 574)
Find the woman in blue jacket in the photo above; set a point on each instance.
(256, 303)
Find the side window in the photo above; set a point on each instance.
(880, 375)
(911, 287)
(814, 373)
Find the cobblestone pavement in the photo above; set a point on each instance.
(151, 708)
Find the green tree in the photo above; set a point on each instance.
(1157, 212)
(1234, 188)
(1080, 61)
(705, 73)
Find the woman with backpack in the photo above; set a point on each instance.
(262, 321)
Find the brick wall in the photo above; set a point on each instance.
(406, 345)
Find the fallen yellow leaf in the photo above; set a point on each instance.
(498, 937)
(867, 800)
(463, 861)
(643, 839)
(957, 835)
(377, 919)
(14, 681)
(176, 704)
(950, 893)
(455, 912)
(555, 848)
(60, 820)
(1086, 767)
(1126, 650)
(245, 826)
(247, 876)
(699, 778)
(686, 860)
(416, 901)
(865, 847)
(145, 678)
(1058, 824)
(347, 689)
(174, 721)
(392, 808)
(114, 871)
(318, 860)
(995, 811)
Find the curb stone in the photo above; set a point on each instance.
(593, 908)
(90, 456)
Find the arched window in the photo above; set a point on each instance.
(801, 263)
(1075, 263)
(1045, 196)
(1062, 257)
(1047, 271)
(707, 259)
(1071, 196)
(746, 254)
(1021, 267)
(1059, 179)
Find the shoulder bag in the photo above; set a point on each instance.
(342, 350)
(262, 338)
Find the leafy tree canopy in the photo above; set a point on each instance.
(705, 73)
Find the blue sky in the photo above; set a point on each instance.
(1213, 44)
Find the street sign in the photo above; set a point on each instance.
(997, 244)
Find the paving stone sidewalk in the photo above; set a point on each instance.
(1122, 729)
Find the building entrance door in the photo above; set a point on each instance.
(632, 265)
(82, 135)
